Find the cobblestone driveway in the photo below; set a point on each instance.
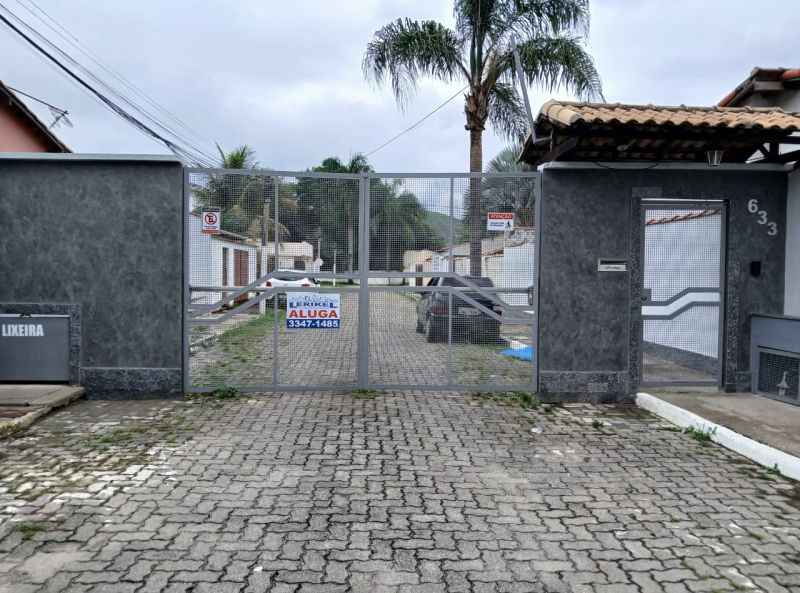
(407, 492)
(398, 355)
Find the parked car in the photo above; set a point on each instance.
(467, 320)
(289, 282)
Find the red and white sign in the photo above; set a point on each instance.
(500, 221)
(211, 218)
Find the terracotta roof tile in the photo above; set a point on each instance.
(567, 114)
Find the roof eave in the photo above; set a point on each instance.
(32, 118)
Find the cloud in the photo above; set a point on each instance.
(286, 77)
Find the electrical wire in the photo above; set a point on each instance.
(146, 114)
(416, 124)
(111, 90)
(24, 94)
(65, 34)
(187, 152)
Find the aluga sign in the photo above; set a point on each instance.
(311, 310)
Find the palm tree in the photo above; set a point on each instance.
(357, 164)
(243, 200)
(510, 195)
(479, 52)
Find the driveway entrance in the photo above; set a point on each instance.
(396, 253)
(399, 492)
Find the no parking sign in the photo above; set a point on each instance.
(212, 220)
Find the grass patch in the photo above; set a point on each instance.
(29, 529)
(702, 434)
(226, 393)
(364, 393)
(243, 334)
(117, 437)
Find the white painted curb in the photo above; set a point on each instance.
(758, 452)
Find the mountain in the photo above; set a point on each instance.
(440, 223)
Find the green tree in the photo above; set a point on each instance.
(398, 223)
(479, 52)
(244, 200)
(347, 195)
(510, 195)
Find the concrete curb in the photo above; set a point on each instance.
(762, 454)
(13, 425)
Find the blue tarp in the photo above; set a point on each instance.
(525, 353)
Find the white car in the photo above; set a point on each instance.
(290, 282)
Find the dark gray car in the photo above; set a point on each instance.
(468, 321)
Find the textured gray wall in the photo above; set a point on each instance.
(586, 215)
(103, 234)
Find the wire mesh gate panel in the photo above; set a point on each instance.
(425, 294)
(682, 294)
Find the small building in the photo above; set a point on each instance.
(662, 232)
(226, 259)
(506, 259)
(21, 130)
(298, 255)
(778, 87)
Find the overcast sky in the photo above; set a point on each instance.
(285, 77)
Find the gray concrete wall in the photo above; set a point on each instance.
(588, 331)
(105, 235)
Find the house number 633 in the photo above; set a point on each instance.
(752, 208)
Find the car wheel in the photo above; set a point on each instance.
(420, 328)
(430, 335)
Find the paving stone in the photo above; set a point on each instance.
(409, 492)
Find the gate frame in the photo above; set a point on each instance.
(363, 275)
(722, 205)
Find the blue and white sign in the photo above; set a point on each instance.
(312, 310)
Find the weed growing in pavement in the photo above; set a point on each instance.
(227, 392)
(774, 470)
(29, 529)
(117, 437)
(598, 424)
(364, 393)
(702, 434)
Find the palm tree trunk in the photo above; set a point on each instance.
(475, 211)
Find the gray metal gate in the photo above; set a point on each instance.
(393, 251)
(683, 275)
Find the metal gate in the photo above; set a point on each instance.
(392, 257)
(683, 267)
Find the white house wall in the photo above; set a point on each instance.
(205, 262)
(668, 248)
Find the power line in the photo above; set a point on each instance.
(110, 89)
(190, 153)
(19, 92)
(416, 124)
(86, 51)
